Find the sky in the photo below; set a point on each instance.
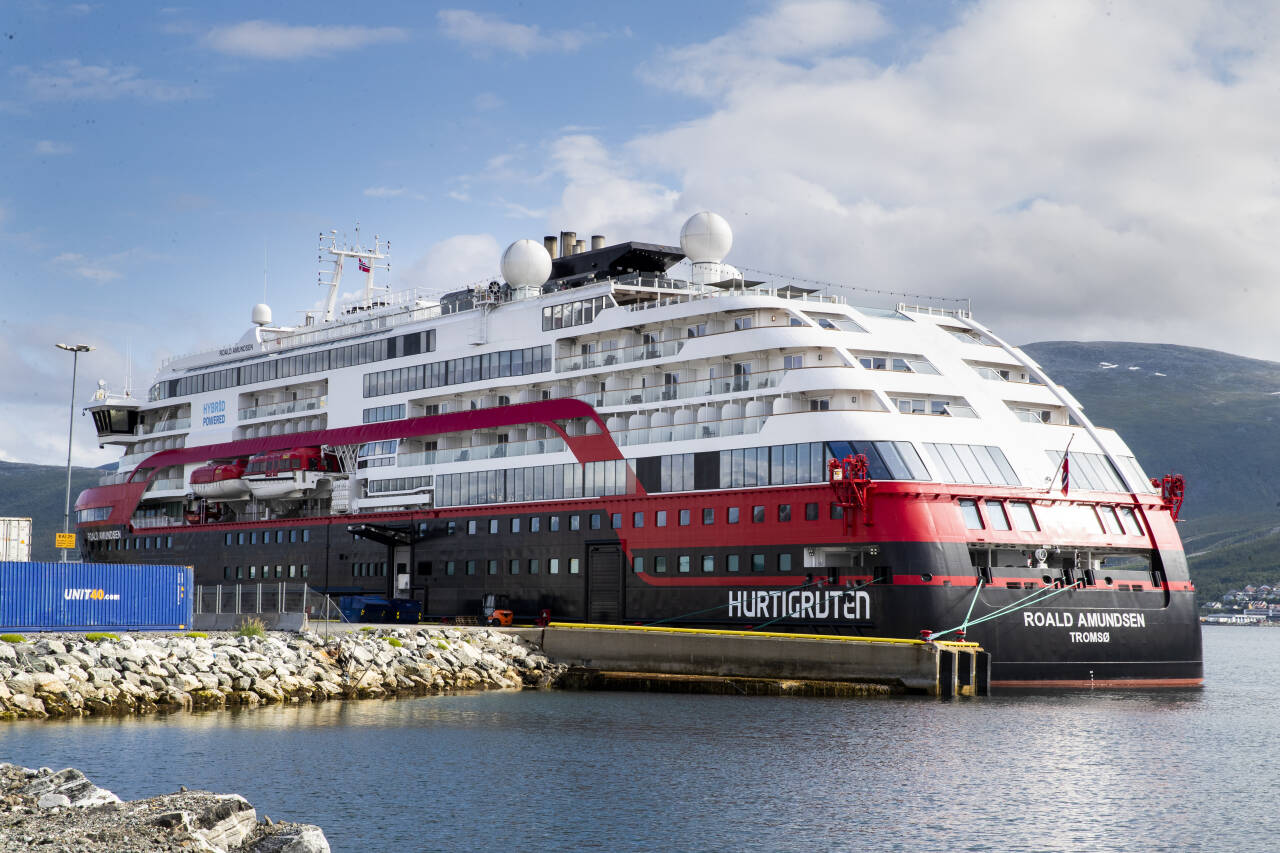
(1079, 169)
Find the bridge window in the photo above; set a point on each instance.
(708, 562)
(684, 518)
(733, 514)
(1023, 517)
(996, 515)
(659, 565)
(972, 518)
(784, 562)
(757, 562)
(708, 515)
(684, 561)
(731, 563)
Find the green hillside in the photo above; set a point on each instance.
(38, 492)
(1212, 417)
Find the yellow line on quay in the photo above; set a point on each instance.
(653, 629)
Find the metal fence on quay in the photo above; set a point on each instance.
(261, 598)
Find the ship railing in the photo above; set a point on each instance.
(115, 478)
(690, 295)
(266, 410)
(622, 355)
(689, 431)
(167, 485)
(164, 426)
(149, 522)
(936, 311)
(254, 598)
(488, 451)
(685, 390)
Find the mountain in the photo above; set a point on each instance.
(1208, 415)
(38, 492)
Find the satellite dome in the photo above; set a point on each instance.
(526, 263)
(261, 314)
(706, 238)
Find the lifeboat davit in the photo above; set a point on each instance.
(290, 474)
(223, 481)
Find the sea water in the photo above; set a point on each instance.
(1076, 770)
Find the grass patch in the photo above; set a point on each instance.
(12, 638)
(196, 635)
(251, 627)
(367, 628)
(441, 644)
(102, 636)
(393, 641)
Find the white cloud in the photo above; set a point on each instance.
(271, 40)
(52, 148)
(72, 80)
(391, 192)
(484, 34)
(85, 268)
(454, 263)
(1082, 170)
(782, 43)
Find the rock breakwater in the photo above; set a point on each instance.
(72, 675)
(64, 811)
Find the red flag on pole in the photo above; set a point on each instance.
(1066, 472)
(364, 265)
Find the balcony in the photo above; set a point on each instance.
(487, 451)
(623, 355)
(268, 410)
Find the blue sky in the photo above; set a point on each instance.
(1082, 170)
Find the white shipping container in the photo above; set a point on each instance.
(15, 539)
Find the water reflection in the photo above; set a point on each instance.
(1061, 771)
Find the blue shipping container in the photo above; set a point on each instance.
(94, 596)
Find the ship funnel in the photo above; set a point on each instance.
(549, 243)
(566, 243)
(597, 241)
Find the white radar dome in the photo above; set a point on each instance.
(526, 263)
(706, 238)
(261, 314)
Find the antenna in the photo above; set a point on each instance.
(128, 369)
(264, 273)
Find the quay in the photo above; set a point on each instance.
(677, 659)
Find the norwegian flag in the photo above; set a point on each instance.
(1066, 472)
(364, 265)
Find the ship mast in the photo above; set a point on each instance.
(366, 261)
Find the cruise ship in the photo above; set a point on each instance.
(638, 433)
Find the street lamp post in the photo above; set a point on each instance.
(75, 350)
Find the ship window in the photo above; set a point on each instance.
(784, 562)
(575, 522)
(1109, 519)
(535, 523)
(1023, 517)
(492, 567)
(239, 572)
(757, 514)
(515, 524)
(227, 540)
(637, 519)
(708, 562)
(306, 535)
(575, 565)
(659, 565)
(279, 571)
(996, 515)
(684, 561)
(661, 518)
(304, 570)
(684, 518)
(553, 566)
(837, 512)
(757, 562)
(708, 515)
(811, 512)
(293, 535)
(451, 567)
(615, 521)
(253, 572)
(637, 565)
(514, 567)
(535, 566)
(471, 567)
(784, 512)
(266, 537)
(493, 525)
(969, 509)
(731, 563)
(595, 521)
(226, 573)
(471, 527)
(1130, 519)
(732, 513)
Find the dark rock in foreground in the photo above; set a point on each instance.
(56, 812)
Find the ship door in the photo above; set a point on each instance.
(400, 560)
(604, 583)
